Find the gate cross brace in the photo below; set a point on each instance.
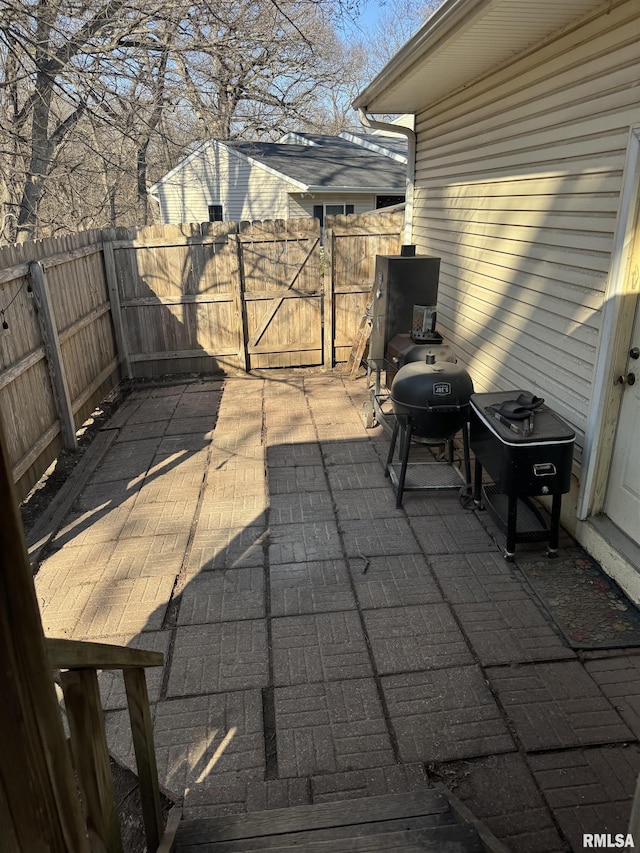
(277, 301)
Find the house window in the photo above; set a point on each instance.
(215, 213)
(322, 210)
(388, 200)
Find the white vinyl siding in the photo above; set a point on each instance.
(518, 181)
(244, 190)
(299, 206)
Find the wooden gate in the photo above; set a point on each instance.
(282, 292)
(351, 246)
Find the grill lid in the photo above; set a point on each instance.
(434, 396)
(441, 386)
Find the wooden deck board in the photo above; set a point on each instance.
(436, 839)
(320, 816)
(302, 839)
(421, 820)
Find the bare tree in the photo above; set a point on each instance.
(251, 69)
(345, 76)
(358, 54)
(64, 60)
(92, 91)
(397, 22)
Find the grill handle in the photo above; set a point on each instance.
(453, 407)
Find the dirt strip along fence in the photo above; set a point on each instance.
(85, 310)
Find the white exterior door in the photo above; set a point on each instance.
(622, 503)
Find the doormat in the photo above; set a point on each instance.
(589, 608)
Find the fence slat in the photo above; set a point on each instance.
(329, 308)
(239, 306)
(53, 355)
(24, 463)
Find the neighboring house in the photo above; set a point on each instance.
(527, 156)
(302, 175)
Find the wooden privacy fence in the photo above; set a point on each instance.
(58, 357)
(220, 295)
(171, 299)
(197, 298)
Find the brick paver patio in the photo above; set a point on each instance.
(320, 643)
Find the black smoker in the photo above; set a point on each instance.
(400, 283)
(404, 311)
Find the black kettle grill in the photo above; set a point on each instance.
(430, 401)
(433, 396)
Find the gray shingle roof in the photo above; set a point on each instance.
(330, 163)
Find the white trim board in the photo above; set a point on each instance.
(611, 317)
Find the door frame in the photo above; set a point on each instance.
(617, 326)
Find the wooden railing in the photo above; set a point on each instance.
(79, 663)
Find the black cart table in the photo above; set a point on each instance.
(522, 464)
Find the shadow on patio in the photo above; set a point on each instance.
(320, 643)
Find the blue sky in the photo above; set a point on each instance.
(370, 13)
(408, 16)
(367, 18)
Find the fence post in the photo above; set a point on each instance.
(328, 299)
(109, 260)
(53, 355)
(243, 354)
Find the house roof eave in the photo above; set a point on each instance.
(376, 143)
(387, 190)
(464, 40)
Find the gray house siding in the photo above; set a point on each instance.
(518, 182)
